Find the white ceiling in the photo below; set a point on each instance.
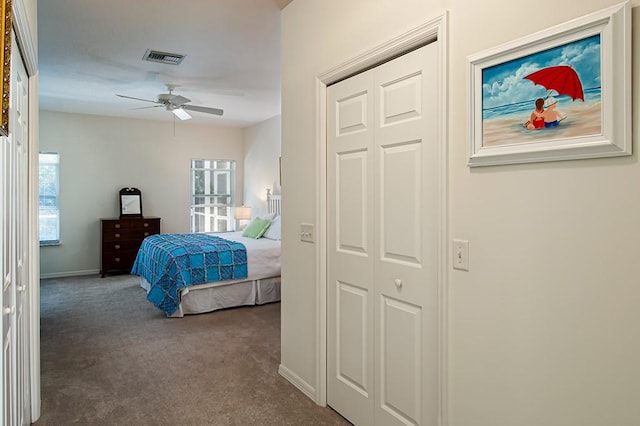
(89, 51)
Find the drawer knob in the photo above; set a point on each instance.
(398, 282)
(146, 225)
(146, 234)
(117, 225)
(117, 259)
(117, 235)
(117, 246)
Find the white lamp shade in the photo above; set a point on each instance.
(242, 213)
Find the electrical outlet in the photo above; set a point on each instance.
(461, 255)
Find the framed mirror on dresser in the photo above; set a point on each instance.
(130, 202)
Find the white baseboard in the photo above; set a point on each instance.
(297, 381)
(69, 274)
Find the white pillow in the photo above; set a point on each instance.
(274, 230)
(267, 216)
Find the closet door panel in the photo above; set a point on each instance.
(351, 203)
(353, 337)
(400, 360)
(400, 207)
(350, 248)
(406, 228)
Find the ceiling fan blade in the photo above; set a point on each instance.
(179, 100)
(180, 113)
(147, 107)
(137, 99)
(206, 110)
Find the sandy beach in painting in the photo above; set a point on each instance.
(583, 119)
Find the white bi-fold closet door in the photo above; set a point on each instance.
(14, 216)
(382, 219)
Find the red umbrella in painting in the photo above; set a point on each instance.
(562, 78)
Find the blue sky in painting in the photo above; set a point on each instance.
(504, 84)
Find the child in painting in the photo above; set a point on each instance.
(536, 121)
(552, 117)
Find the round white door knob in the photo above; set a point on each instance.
(398, 282)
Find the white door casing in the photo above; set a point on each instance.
(382, 242)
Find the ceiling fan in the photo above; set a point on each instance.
(176, 104)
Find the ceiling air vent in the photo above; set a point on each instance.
(162, 57)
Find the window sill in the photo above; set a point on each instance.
(49, 243)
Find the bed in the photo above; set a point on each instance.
(248, 273)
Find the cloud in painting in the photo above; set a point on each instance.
(505, 84)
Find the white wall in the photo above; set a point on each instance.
(544, 327)
(100, 155)
(261, 169)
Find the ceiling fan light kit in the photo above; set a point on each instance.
(181, 114)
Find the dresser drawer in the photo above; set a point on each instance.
(118, 261)
(120, 246)
(151, 225)
(120, 234)
(117, 225)
(128, 234)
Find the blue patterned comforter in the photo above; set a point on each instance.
(171, 262)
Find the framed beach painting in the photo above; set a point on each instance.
(563, 93)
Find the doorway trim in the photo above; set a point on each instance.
(435, 29)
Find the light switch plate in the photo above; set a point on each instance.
(461, 255)
(306, 233)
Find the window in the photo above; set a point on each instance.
(49, 190)
(212, 195)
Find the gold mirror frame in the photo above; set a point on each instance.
(5, 62)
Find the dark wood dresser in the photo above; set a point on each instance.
(121, 239)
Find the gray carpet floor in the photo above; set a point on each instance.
(109, 357)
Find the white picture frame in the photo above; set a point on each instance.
(599, 126)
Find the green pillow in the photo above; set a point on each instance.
(256, 228)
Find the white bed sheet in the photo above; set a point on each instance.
(263, 254)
